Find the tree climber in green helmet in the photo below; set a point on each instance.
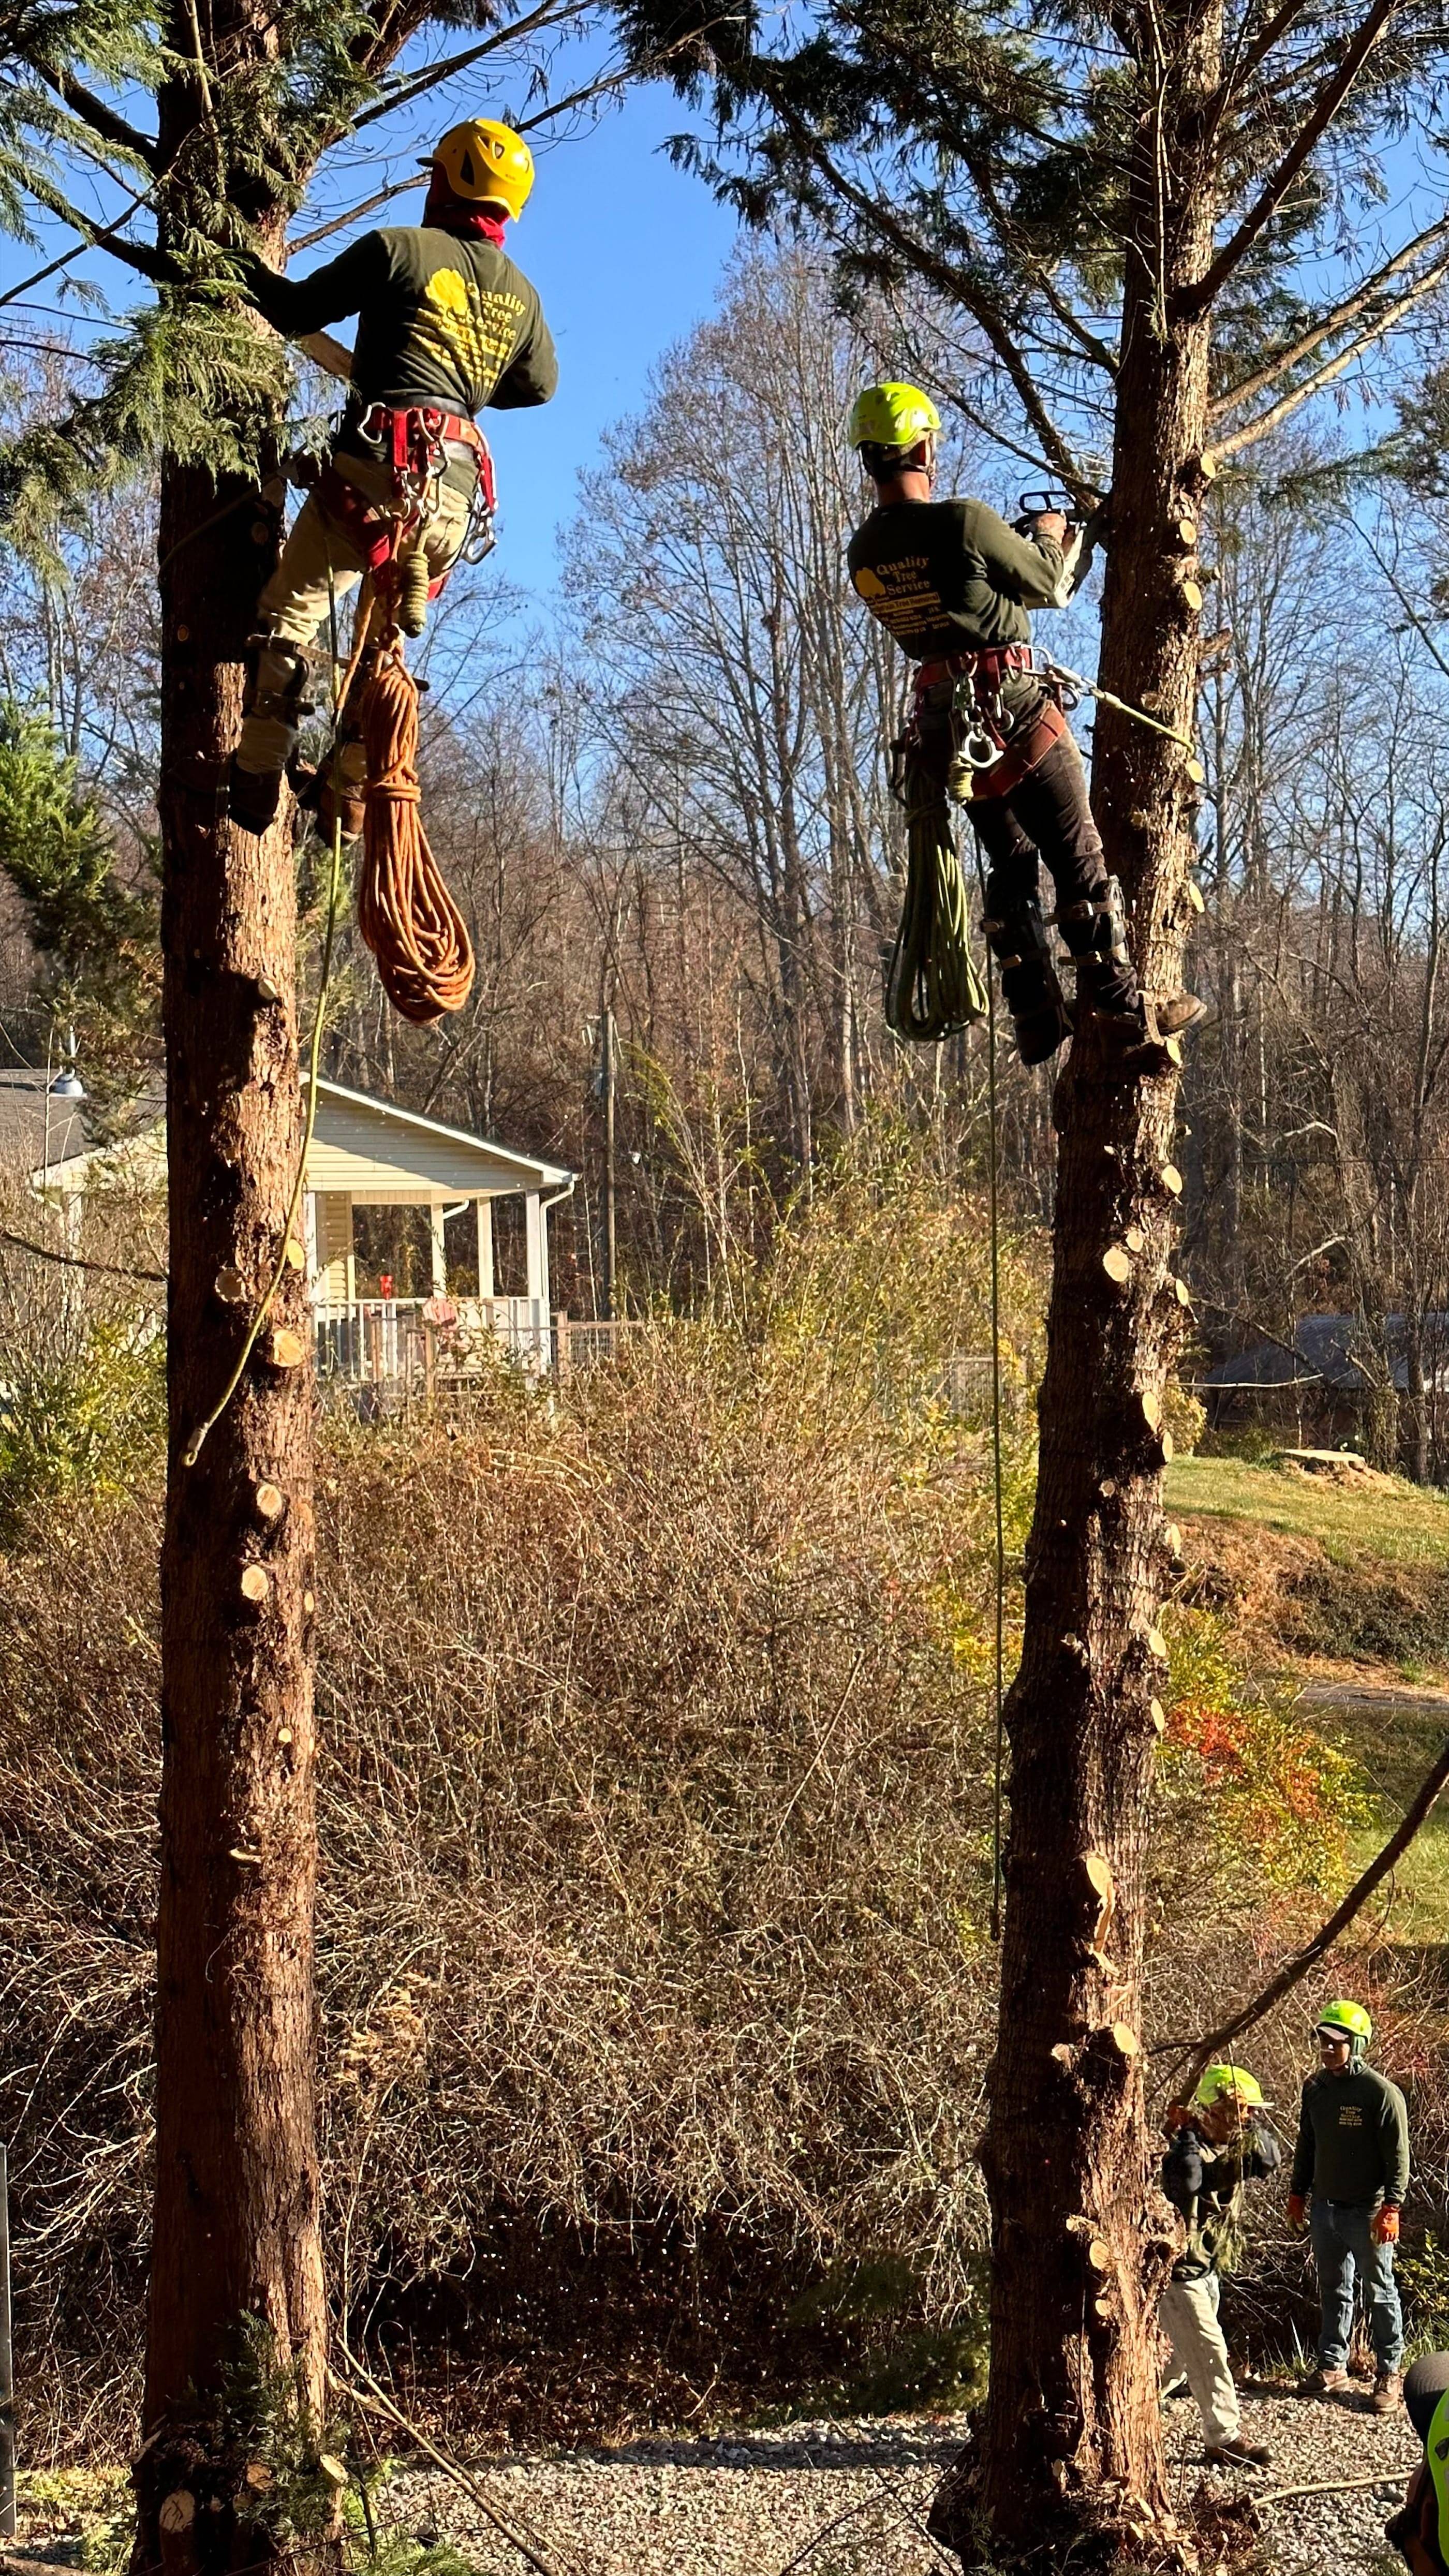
(953, 583)
(447, 324)
(1420, 2531)
(1218, 2142)
(1353, 2155)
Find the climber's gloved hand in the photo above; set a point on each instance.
(1297, 2212)
(1384, 2224)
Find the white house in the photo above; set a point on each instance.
(364, 1153)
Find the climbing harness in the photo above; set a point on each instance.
(414, 443)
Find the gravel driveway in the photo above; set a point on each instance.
(850, 2499)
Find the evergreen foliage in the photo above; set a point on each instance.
(97, 935)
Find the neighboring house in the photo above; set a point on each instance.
(364, 1153)
(1315, 1387)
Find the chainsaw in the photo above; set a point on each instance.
(1084, 535)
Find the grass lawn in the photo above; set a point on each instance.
(1396, 1522)
(1391, 1741)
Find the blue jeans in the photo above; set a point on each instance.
(1341, 2244)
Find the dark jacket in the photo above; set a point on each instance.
(1353, 2138)
(951, 577)
(443, 318)
(1204, 2182)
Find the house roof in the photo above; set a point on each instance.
(1334, 1350)
(369, 1150)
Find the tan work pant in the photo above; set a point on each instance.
(1188, 2316)
(320, 564)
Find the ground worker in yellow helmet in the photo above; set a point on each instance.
(1217, 2142)
(1420, 2531)
(1353, 2155)
(953, 583)
(446, 325)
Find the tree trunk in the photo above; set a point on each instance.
(236, 2233)
(1070, 2448)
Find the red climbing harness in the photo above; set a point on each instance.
(991, 754)
(415, 444)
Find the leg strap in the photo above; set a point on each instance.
(1097, 927)
(276, 681)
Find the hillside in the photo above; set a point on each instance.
(1337, 1584)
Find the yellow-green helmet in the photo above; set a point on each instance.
(892, 416)
(1218, 2083)
(1347, 2021)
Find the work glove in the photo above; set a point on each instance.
(1384, 2224)
(1297, 2211)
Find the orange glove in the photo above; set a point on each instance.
(1297, 2207)
(1384, 2224)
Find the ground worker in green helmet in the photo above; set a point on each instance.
(1353, 2156)
(446, 325)
(1420, 2531)
(1217, 2142)
(953, 584)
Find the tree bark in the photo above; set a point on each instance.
(1070, 2447)
(236, 2233)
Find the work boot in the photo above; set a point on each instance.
(1388, 2389)
(253, 796)
(1326, 2383)
(1038, 1034)
(1238, 2454)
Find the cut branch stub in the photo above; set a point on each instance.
(1171, 1180)
(1134, 1238)
(230, 1287)
(293, 1254)
(1158, 1715)
(1182, 1292)
(269, 1502)
(1101, 1889)
(285, 1349)
(1156, 1643)
(1099, 2254)
(256, 1583)
(1195, 895)
(1152, 1411)
(1172, 1538)
(1117, 1262)
(176, 2528)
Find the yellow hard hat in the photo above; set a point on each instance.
(486, 164)
(1228, 2084)
(891, 416)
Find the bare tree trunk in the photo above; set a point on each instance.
(1071, 2445)
(236, 2232)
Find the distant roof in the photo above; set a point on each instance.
(370, 1150)
(34, 1123)
(1334, 1350)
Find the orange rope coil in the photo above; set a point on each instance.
(404, 910)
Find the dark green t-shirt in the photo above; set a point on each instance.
(441, 318)
(1353, 2138)
(950, 576)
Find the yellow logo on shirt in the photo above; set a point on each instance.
(470, 330)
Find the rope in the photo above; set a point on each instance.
(933, 989)
(404, 910)
(196, 1443)
(997, 1479)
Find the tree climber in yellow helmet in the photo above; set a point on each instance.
(1353, 2155)
(446, 325)
(1217, 2142)
(953, 583)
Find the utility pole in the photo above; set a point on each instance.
(607, 1084)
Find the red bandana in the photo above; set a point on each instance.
(451, 215)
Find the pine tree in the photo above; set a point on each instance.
(1121, 221)
(247, 97)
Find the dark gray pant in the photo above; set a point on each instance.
(1046, 821)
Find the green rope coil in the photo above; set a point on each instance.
(933, 988)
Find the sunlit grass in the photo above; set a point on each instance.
(1396, 1521)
